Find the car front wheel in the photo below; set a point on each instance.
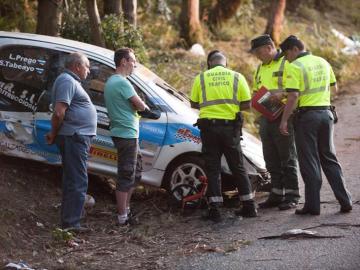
(182, 177)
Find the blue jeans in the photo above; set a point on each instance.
(74, 152)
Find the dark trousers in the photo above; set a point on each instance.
(216, 141)
(74, 152)
(129, 163)
(314, 140)
(281, 160)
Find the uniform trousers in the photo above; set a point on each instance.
(216, 141)
(314, 131)
(281, 160)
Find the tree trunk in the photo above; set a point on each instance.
(189, 20)
(222, 11)
(112, 7)
(129, 7)
(95, 23)
(49, 17)
(275, 20)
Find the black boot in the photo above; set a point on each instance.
(247, 210)
(272, 201)
(213, 214)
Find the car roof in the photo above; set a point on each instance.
(62, 42)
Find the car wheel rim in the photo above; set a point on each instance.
(187, 174)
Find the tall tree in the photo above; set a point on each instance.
(129, 8)
(112, 7)
(191, 30)
(95, 23)
(49, 17)
(222, 11)
(275, 20)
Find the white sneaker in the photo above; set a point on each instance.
(123, 219)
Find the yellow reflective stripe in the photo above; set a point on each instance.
(235, 86)
(234, 100)
(308, 90)
(314, 90)
(202, 83)
(306, 78)
(292, 191)
(278, 191)
(219, 101)
(280, 78)
(216, 199)
(246, 197)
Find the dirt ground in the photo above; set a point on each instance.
(30, 195)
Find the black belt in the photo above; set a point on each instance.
(313, 108)
(218, 121)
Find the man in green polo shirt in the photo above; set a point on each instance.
(122, 103)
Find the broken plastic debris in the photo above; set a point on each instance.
(299, 233)
(17, 266)
(352, 45)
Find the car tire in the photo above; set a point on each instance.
(183, 174)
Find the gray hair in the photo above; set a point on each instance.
(75, 58)
(217, 58)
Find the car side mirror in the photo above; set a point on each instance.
(150, 114)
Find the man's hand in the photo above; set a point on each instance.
(276, 97)
(284, 128)
(50, 138)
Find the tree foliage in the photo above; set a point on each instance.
(19, 15)
(119, 33)
(75, 24)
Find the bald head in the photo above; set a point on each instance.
(217, 59)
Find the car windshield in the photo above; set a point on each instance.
(167, 92)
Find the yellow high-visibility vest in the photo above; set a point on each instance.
(315, 76)
(219, 92)
(273, 76)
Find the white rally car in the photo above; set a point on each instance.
(170, 144)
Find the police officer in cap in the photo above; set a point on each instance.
(220, 94)
(314, 125)
(279, 150)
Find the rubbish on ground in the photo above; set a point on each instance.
(89, 201)
(352, 44)
(340, 225)
(299, 234)
(17, 266)
(197, 50)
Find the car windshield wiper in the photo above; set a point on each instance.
(171, 90)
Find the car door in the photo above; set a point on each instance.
(23, 79)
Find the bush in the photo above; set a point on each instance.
(119, 33)
(75, 23)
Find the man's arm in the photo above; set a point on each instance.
(245, 105)
(138, 104)
(333, 89)
(289, 108)
(56, 121)
(194, 104)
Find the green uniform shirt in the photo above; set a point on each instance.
(224, 90)
(124, 120)
(275, 76)
(313, 76)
